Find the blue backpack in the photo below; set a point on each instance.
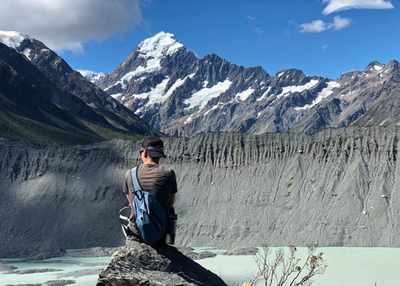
(150, 216)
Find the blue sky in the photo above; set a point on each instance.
(271, 34)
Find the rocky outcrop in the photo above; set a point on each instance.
(338, 187)
(139, 264)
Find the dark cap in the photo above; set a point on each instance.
(154, 146)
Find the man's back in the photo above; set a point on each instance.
(155, 178)
(152, 198)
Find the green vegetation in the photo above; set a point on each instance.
(18, 127)
(108, 133)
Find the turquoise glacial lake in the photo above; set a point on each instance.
(346, 266)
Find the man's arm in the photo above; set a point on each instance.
(173, 190)
(128, 193)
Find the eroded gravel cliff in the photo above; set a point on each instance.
(338, 187)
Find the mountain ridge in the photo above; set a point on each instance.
(229, 97)
(101, 116)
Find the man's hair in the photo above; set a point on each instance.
(154, 147)
(155, 159)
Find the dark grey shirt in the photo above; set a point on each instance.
(155, 178)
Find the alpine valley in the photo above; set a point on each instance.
(292, 158)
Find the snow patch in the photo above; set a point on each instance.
(92, 105)
(188, 120)
(11, 39)
(161, 44)
(156, 95)
(153, 50)
(280, 74)
(126, 79)
(384, 122)
(116, 95)
(264, 95)
(91, 75)
(27, 53)
(217, 106)
(201, 97)
(150, 67)
(179, 82)
(244, 95)
(287, 90)
(260, 113)
(326, 92)
(139, 111)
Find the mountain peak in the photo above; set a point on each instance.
(375, 66)
(92, 76)
(148, 56)
(12, 39)
(161, 44)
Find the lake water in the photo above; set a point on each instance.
(346, 266)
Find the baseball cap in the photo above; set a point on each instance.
(154, 146)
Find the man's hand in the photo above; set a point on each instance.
(129, 197)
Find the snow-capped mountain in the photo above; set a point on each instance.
(70, 91)
(93, 77)
(70, 81)
(175, 91)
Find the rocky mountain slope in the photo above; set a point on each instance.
(336, 187)
(31, 68)
(169, 86)
(31, 107)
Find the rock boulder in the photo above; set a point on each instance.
(139, 264)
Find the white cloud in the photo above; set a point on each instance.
(67, 24)
(318, 26)
(340, 5)
(340, 23)
(259, 30)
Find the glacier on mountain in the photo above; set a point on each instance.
(287, 90)
(202, 97)
(244, 95)
(325, 93)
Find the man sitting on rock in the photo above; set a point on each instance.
(150, 189)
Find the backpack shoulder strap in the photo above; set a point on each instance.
(137, 188)
(135, 180)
